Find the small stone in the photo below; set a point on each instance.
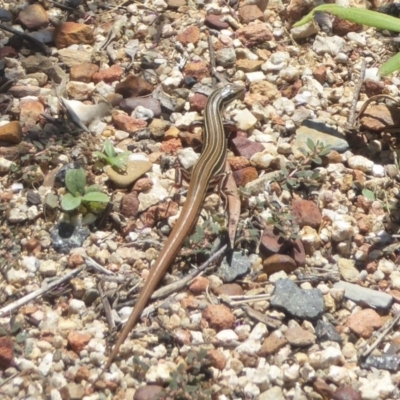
(190, 35)
(320, 73)
(364, 322)
(6, 352)
(245, 119)
(78, 341)
(246, 148)
(245, 175)
(249, 65)
(229, 289)
(348, 270)
(254, 34)
(331, 45)
(127, 123)
(83, 374)
(133, 86)
(272, 344)
(148, 392)
(219, 317)
(131, 103)
(108, 75)
(307, 213)
(361, 163)
(199, 285)
(83, 72)
(134, 170)
(198, 70)
(197, 102)
(30, 111)
(11, 132)
(8, 51)
(217, 359)
(342, 27)
(48, 268)
(72, 391)
(225, 57)
(346, 393)
(238, 162)
(33, 17)
(299, 337)
(70, 33)
(249, 13)
(380, 117)
(214, 21)
(130, 205)
(279, 262)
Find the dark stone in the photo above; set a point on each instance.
(299, 303)
(327, 332)
(66, 237)
(33, 198)
(234, 265)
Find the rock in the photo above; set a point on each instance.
(198, 70)
(133, 86)
(245, 119)
(249, 13)
(130, 205)
(229, 289)
(299, 337)
(131, 103)
(66, 237)
(217, 359)
(254, 34)
(20, 91)
(78, 341)
(327, 332)
(33, 17)
(30, 111)
(347, 269)
(234, 266)
(214, 21)
(11, 132)
(307, 213)
(273, 393)
(9, 52)
(83, 72)
(272, 344)
(346, 393)
(219, 317)
(300, 303)
(72, 391)
(361, 163)
(358, 294)
(128, 124)
(249, 65)
(279, 262)
(245, 175)
(246, 148)
(318, 131)
(225, 57)
(108, 75)
(376, 385)
(199, 285)
(48, 268)
(364, 322)
(69, 33)
(6, 352)
(37, 63)
(331, 45)
(74, 57)
(380, 117)
(134, 170)
(148, 392)
(191, 34)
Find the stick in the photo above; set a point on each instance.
(37, 293)
(357, 90)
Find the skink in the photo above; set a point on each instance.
(210, 164)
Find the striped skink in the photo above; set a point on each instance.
(210, 164)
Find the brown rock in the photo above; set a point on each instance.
(197, 102)
(238, 162)
(298, 253)
(346, 393)
(8, 51)
(373, 88)
(133, 86)
(142, 185)
(148, 392)
(297, 9)
(364, 322)
(199, 285)
(108, 75)
(176, 3)
(254, 34)
(30, 111)
(217, 359)
(70, 33)
(189, 302)
(363, 223)
(171, 146)
(307, 213)
(11, 132)
(159, 212)
(321, 387)
(245, 175)
(299, 337)
(249, 13)
(130, 104)
(189, 35)
(396, 295)
(128, 124)
(271, 242)
(130, 205)
(19, 91)
(229, 289)
(342, 27)
(83, 374)
(245, 147)
(333, 157)
(272, 344)
(279, 262)
(33, 17)
(380, 117)
(219, 317)
(320, 73)
(83, 72)
(31, 245)
(6, 352)
(182, 336)
(216, 22)
(198, 70)
(249, 65)
(77, 341)
(292, 90)
(75, 260)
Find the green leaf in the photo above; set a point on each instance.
(119, 161)
(93, 188)
(75, 181)
(21, 337)
(392, 65)
(356, 15)
(96, 197)
(310, 144)
(317, 160)
(109, 149)
(101, 155)
(368, 194)
(324, 151)
(69, 202)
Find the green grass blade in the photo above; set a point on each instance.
(392, 65)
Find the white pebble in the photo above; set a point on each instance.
(361, 163)
(245, 120)
(378, 170)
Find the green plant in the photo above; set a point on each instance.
(78, 193)
(110, 156)
(363, 17)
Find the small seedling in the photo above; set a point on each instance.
(111, 157)
(78, 193)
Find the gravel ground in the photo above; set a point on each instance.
(98, 105)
